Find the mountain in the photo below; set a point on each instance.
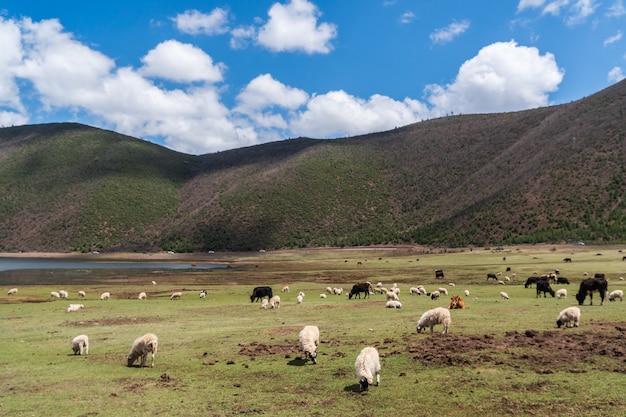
(553, 174)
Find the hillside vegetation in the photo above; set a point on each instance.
(554, 174)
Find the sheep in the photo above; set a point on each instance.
(153, 282)
(203, 293)
(434, 295)
(421, 289)
(275, 301)
(439, 315)
(562, 293)
(176, 295)
(301, 294)
(570, 314)
(299, 299)
(55, 294)
(378, 290)
(322, 295)
(500, 282)
(367, 365)
(63, 294)
(308, 342)
(105, 295)
(328, 290)
(142, 296)
(74, 307)
(504, 295)
(379, 284)
(338, 291)
(12, 291)
(285, 288)
(466, 292)
(442, 291)
(141, 346)
(393, 304)
(264, 303)
(383, 290)
(81, 294)
(451, 284)
(396, 290)
(414, 290)
(80, 345)
(392, 296)
(616, 294)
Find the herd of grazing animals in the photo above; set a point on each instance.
(367, 365)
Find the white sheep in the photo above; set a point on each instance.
(504, 295)
(396, 290)
(466, 292)
(308, 342)
(434, 295)
(81, 294)
(422, 289)
(141, 346)
(176, 295)
(264, 303)
(80, 345)
(322, 295)
(203, 293)
(442, 291)
(367, 365)
(338, 291)
(414, 290)
(275, 301)
(12, 291)
(616, 294)
(63, 294)
(105, 295)
(74, 307)
(55, 294)
(328, 290)
(570, 314)
(153, 282)
(392, 296)
(301, 294)
(562, 293)
(500, 282)
(142, 296)
(285, 288)
(451, 284)
(299, 299)
(439, 315)
(393, 304)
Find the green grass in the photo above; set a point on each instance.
(200, 369)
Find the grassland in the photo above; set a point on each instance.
(224, 356)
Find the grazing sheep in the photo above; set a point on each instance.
(466, 292)
(562, 293)
(74, 307)
(275, 301)
(367, 365)
(396, 290)
(141, 346)
(504, 295)
(338, 291)
(434, 295)
(285, 288)
(301, 294)
(80, 345)
(392, 296)
(616, 294)
(500, 282)
(439, 315)
(55, 294)
(322, 295)
(63, 294)
(153, 282)
(81, 294)
(393, 304)
(308, 342)
(176, 295)
(105, 295)
(442, 291)
(414, 290)
(264, 303)
(203, 293)
(328, 290)
(570, 314)
(12, 291)
(142, 296)
(299, 299)
(451, 284)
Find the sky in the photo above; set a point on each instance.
(207, 76)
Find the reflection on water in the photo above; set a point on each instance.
(33, 271)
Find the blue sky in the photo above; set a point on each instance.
(207, 76)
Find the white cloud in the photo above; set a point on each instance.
(580, 11)
(294, 27)
(575, 11)
(502, 77)
(617, 9)
(407, 17)
(444, 35)
(176, 61)
(615, 75)
(613, 39)
(241, 36)
(529, 4)
(10, 58)
(195, 23)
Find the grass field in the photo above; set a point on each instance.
(225, 356)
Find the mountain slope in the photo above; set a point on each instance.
(548, 174)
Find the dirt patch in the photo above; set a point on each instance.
(255, 349)
(111, 321)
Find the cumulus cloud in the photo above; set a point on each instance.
(242, 36)
(176, 61)
(615, 75)
(502, 77)
(616, 9)
(447, 34)
(195, 23)
(294, 27)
